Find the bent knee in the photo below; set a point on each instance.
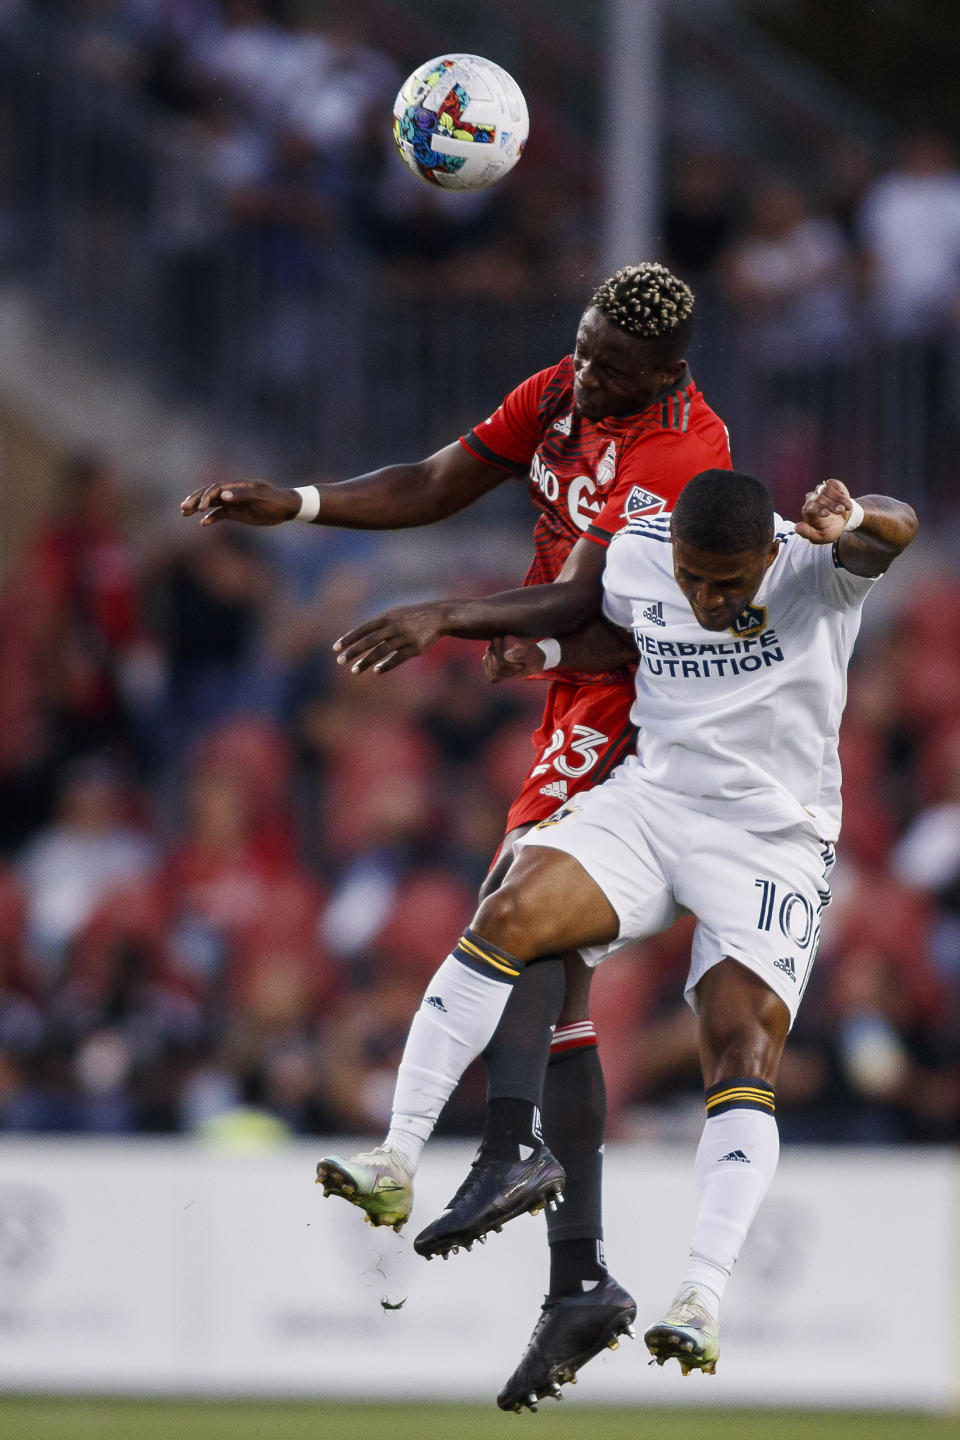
(508, 918)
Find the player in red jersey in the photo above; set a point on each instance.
(611, 432)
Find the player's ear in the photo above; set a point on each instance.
(771, 554)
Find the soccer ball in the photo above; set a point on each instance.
(460, 122)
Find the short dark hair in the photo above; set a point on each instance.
(724, 511)
(651, 304)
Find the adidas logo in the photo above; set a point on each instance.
(563, 424)
(785, 963)
(557, 790)
(654, 613)
(736, 1155)
(436, 1002)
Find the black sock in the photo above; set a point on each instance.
(575, 1266)
(517, 1055)
(512, 1130)
(574, 1118)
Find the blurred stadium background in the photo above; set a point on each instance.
(227, 869)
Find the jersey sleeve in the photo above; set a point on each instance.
(616, 604)
(653, 473)
(842, 587)
(509, 437)
(836, 587)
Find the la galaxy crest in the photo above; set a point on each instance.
(751, 621)
(557, 816)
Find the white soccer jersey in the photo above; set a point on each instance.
(750, 716)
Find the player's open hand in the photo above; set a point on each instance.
(512, 659)
(387, 641)
(252, 502)
(825, 512)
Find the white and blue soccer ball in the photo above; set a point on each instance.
(460, 122)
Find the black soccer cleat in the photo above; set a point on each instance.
(494, 1192)
(570, 1331)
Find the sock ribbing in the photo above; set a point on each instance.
(486, 958)
(579, 1035)
(745, 1093)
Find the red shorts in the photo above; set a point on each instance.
(585, 732)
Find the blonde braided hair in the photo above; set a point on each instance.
(647, 301)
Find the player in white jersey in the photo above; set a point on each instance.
(744, 626)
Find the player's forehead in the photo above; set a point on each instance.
(715, 565)
(600, 336)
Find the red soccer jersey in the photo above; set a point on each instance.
(588, 477)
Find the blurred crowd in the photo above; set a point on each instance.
(873, 246)
(286, 108)
(226, 867)
(274, 120)
(229, 866)
(277, 116)
(212, 189)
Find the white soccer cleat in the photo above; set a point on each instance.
(687, 1333)
(376, 1180)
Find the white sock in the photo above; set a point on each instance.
(736, 1160)
(457, 1017)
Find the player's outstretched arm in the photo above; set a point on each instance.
(388, 640)
(388, 499)
(574, 598)
(883, 526)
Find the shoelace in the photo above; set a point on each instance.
(468, 1184)
(549, 1303)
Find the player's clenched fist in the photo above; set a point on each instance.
(825, 512)
(512, 660)
(252, 502)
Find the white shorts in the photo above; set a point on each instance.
(757, 897)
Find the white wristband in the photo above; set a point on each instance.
(309, 503)
(855, 518)
(551, 653)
